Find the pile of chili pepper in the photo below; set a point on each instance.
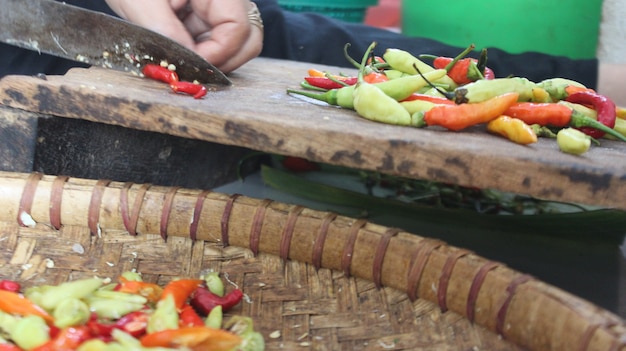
(164, 73)
(130, 314)
(456, 93)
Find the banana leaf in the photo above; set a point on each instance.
(606, 226)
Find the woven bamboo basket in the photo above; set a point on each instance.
(315, 280)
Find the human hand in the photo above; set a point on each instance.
(218, 30)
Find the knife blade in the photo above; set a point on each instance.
(97, 39)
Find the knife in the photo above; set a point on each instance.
(97, 39)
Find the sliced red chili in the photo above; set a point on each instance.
(160, 73)
(193, 89)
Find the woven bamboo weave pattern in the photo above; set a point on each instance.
(315, 280)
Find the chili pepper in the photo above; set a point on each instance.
(97, 328)
(461, 70)
(556, 115)
(29, 332)
(513, 129)
(541, 95)
(213, 281)
(244, 327)
(49, 297)
(375, 77)
(327, 83)
(215, 318)
(604, 106)
(189, 317)
(204, 300)
(68, 339)
(194, 89)
(9, 347)
(458, 117)
(134, 323)
(620, 127)
(405, 62)
(560, 88)
(415, 106)
(150, 291)
(70, 311)
(180, 290)
(484, 89)
(430, 98)
(372, 103)
(398, 89)
(195, 338)
(160, 73)
(10, 285)
(15, 303)
(573, 141)
(299, 164)
(165, 316)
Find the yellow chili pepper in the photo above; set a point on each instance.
(513, 129)
(573, 141)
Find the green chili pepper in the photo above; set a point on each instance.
(30, 331)
(49, 297)
(96, 345)
(244, 327)
(215, 317)
(573, 141)
(372, 103)
(485, 89)
(165, 316)
(404, 61)
(113, 309)
(214, 283)
(69, 312)
(120, 296)
(398, 89)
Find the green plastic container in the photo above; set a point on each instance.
(559, 27)
(345, 10)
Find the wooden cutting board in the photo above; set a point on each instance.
(257, 113)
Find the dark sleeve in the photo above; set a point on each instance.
(14, 60)
(309, 37)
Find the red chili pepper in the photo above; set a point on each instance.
(194, 89)
(203, 300)
(99, 329)
(604, 106)
(160, 73)
(68, 339)
(298, 164)
(181, 290)
(10, 285)
(327, 83)
(134, 323)
(463, 71)
(189, 317)
(430, 98)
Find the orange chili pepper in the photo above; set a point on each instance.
(572, 89)
(181, 290)
(150, 291)
(196, 338)
(458, 117)
(375, 77)
(15, 303)
(544, 114)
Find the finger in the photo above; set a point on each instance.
(221, 29)
(156, 15)
(251, 49)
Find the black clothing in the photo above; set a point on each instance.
(314, 38)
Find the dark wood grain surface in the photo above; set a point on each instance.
(257, 113)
